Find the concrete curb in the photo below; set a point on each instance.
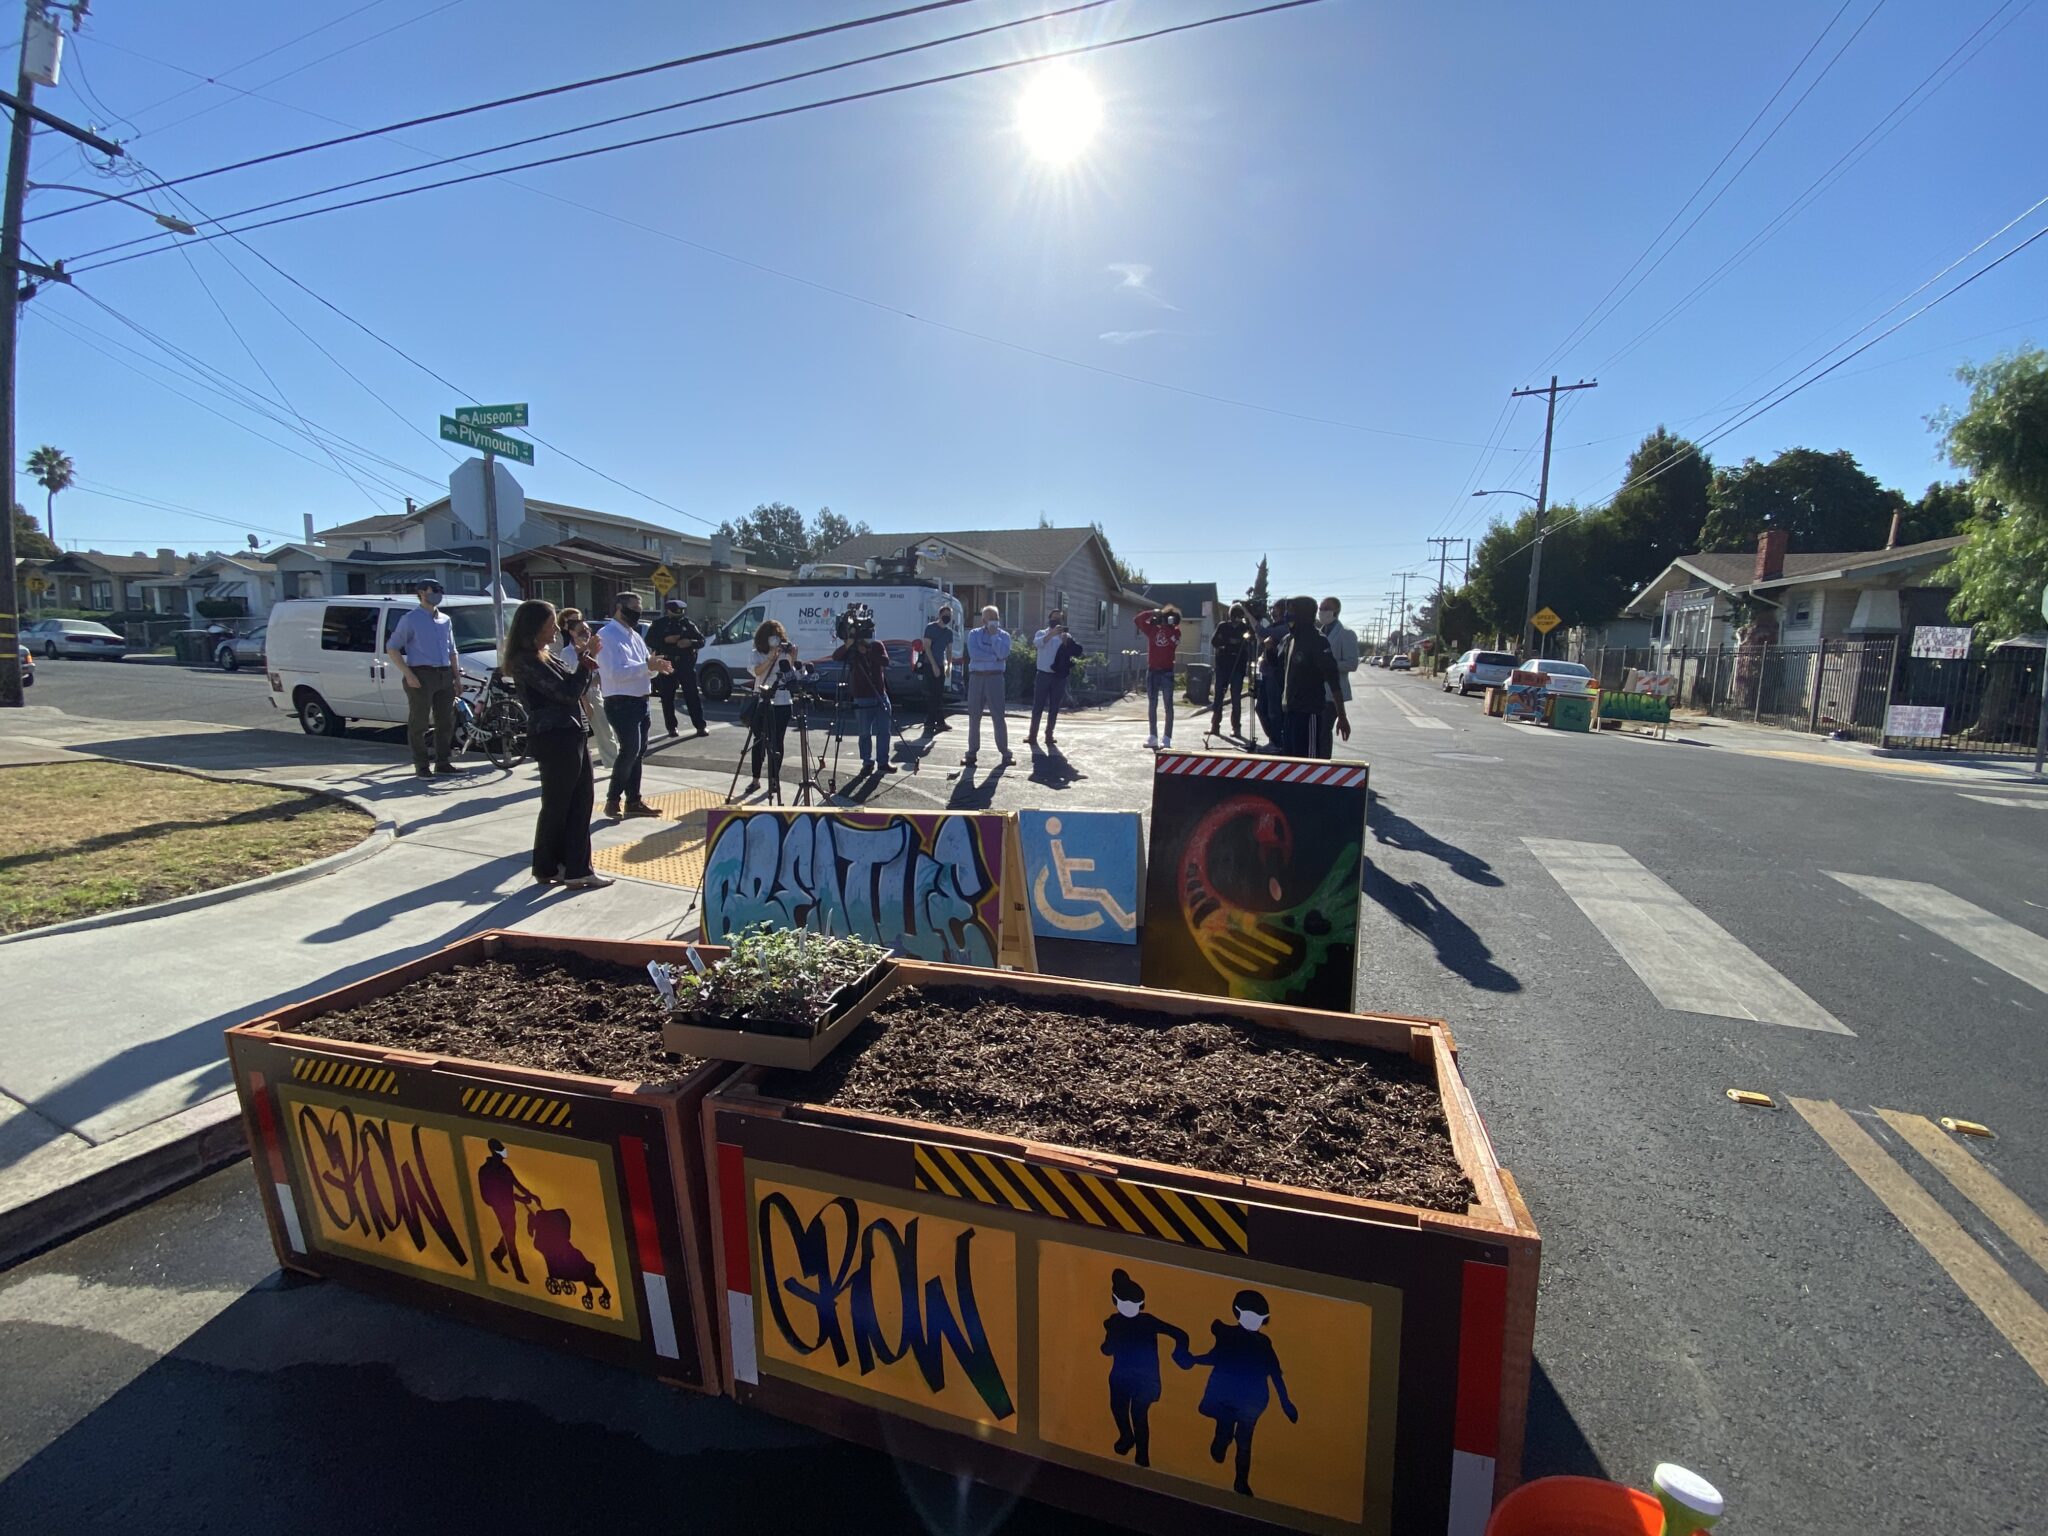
(104, 1181)
(382, 835)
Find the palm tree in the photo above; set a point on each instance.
(53, 469)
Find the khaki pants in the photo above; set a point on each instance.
(430, 715)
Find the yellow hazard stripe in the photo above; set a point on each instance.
(1231, 1228)
(359, 1077)
(1194, 1221)
(1074, 1197)
(1191, 1221)
(993, 1177)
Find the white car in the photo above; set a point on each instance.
(74, 637)
(1562, 676)
(1478, 669)
(325, 656)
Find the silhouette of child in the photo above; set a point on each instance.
(1241, 1361)
(1130, 1337)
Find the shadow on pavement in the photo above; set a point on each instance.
(1554, 1445)
(249, 747)
(1396, 831)
(1457, 945)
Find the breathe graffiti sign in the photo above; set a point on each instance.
(930, 886)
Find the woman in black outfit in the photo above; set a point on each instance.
(773, 653)
(556, 728)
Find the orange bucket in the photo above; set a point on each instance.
(1576, 1506)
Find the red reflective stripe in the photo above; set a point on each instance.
(732, 1217)
(641, 1199)
(1482, 1330)
(266, 1126)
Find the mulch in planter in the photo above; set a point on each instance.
(1212, 1094)
(558, 1013)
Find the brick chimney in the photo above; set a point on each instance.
(1770, 554)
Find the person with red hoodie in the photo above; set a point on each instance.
(1161, 629)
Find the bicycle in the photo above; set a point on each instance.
(490, 719)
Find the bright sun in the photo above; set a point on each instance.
(1058, 114)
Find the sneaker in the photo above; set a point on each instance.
(754, 787)
(611, 809)
(701, 731)
(967, 761)
(1166, 743)
(640, 808)
(673, 733)
(423, 773)
(590, 882)
(1007, 760)
(890, 768)
(1152, 743)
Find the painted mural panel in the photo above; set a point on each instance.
(1083, 869)
(1252, 884)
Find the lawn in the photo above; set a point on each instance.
(89, 837)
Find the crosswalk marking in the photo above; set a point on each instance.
(1976, 1183)
(2023, 804)
(1989, 937)
(1416, 716)
(2008, 1307)
(1687, 960)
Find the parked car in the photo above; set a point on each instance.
(1479, 669)
(27, 663)
(74, 637)
(237, 651)
(1401, 664)
(325, 656)
(1562, 676)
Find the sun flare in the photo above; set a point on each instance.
(1059, 114)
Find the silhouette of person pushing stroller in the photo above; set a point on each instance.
(1130, 1337)
(1241, 1361)
(499, 1188)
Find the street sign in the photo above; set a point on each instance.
(37, 586)
(486, 442)
(1545, 621)
(492, 415)
(663, 581)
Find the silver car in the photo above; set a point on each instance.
(1561, 676)
(74, 637)
(237, 651)
(1478, 669)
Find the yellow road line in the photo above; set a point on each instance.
(1978, 1184)
(2009, 1309)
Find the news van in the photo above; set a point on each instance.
(808, 610)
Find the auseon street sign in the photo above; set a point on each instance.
(486, 442)
(492, 415)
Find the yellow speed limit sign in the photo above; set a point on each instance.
(1545, 621)
(663, 580)
(37, 586)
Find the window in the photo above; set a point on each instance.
(696, 588)
(739, 591)
(102, 595)
(1011, 603)
(741, 626)
(1102, 613)
(349, 627)
(551, 589)
(470, 582)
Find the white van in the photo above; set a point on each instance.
(807, 610)
(326, 660)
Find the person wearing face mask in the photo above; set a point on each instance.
(422, 647)
(1344, 651)
(988, 660)
(1308, 683)
(675, 639)
(626, 673)
(1130, 1337)
(1241, 1362)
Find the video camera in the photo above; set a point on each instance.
(856, 621)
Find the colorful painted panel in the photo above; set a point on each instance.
(930, 886)
(1082, 870)
(1651, 707)
(1252, 884)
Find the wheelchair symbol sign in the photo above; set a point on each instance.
(1083, 871)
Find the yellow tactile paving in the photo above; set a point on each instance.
(672, 855)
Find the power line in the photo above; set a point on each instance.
(136, 498)
(235, 69)
(733, 122)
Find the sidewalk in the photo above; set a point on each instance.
(1800, 747)
(113, 1077)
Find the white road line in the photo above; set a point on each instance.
(1415, 715)
(1989, 937)
(2029, 805)
(1687, 960)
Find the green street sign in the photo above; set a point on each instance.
(486, 442)
(492, 415)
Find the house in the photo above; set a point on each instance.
(1795, 599)
(714, 578)
(1023, 572)
(100, 583)
(321, 570)
(240, 586)
(1200, 609)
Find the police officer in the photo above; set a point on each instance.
(675, 638)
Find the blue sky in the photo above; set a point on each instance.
(1385, 216)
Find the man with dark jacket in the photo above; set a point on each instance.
(1309, 680)
(867, 677)
(1232, 646)
(676, 640)
(1270, 637)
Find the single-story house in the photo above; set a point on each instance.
(322, 570)
(245, 579)
(1798, 599)
(584, 573)
(1023, 572)
(106, 583)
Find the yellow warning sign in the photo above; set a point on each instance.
(663, 580)
(1545, 621)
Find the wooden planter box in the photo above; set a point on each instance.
(851, 1004)
(368, 1161)
(945, 1294)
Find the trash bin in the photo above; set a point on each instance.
(194, 647)
(1201, 676)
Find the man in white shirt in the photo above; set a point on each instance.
(626, 673)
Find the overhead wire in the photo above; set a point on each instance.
(254, 59)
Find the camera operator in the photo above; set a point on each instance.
(867, 674)
(776, 669)
(675, 639)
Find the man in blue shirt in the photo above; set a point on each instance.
(937, 661)
(988, 660)
(422, 647)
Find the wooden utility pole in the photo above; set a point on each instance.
(1550, 395)
(1443, 560)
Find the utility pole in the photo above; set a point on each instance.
(41, 45)
(1443, 559)
(1543, 493)
(1405, 576)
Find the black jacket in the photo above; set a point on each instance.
(552, 694)
(676, 639)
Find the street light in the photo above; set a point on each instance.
(1523, 494)
(174, 224)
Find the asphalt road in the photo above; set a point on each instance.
(1723, 1286)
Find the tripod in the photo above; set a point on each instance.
(789, 678)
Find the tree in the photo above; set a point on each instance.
(775, 533)
(1825, 501)
(30, 543)
(1129, 576)
(53, 470)
(2001, 441)
(829, 530)
(1657, 521)
(1944, 510)
(1255, 598)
